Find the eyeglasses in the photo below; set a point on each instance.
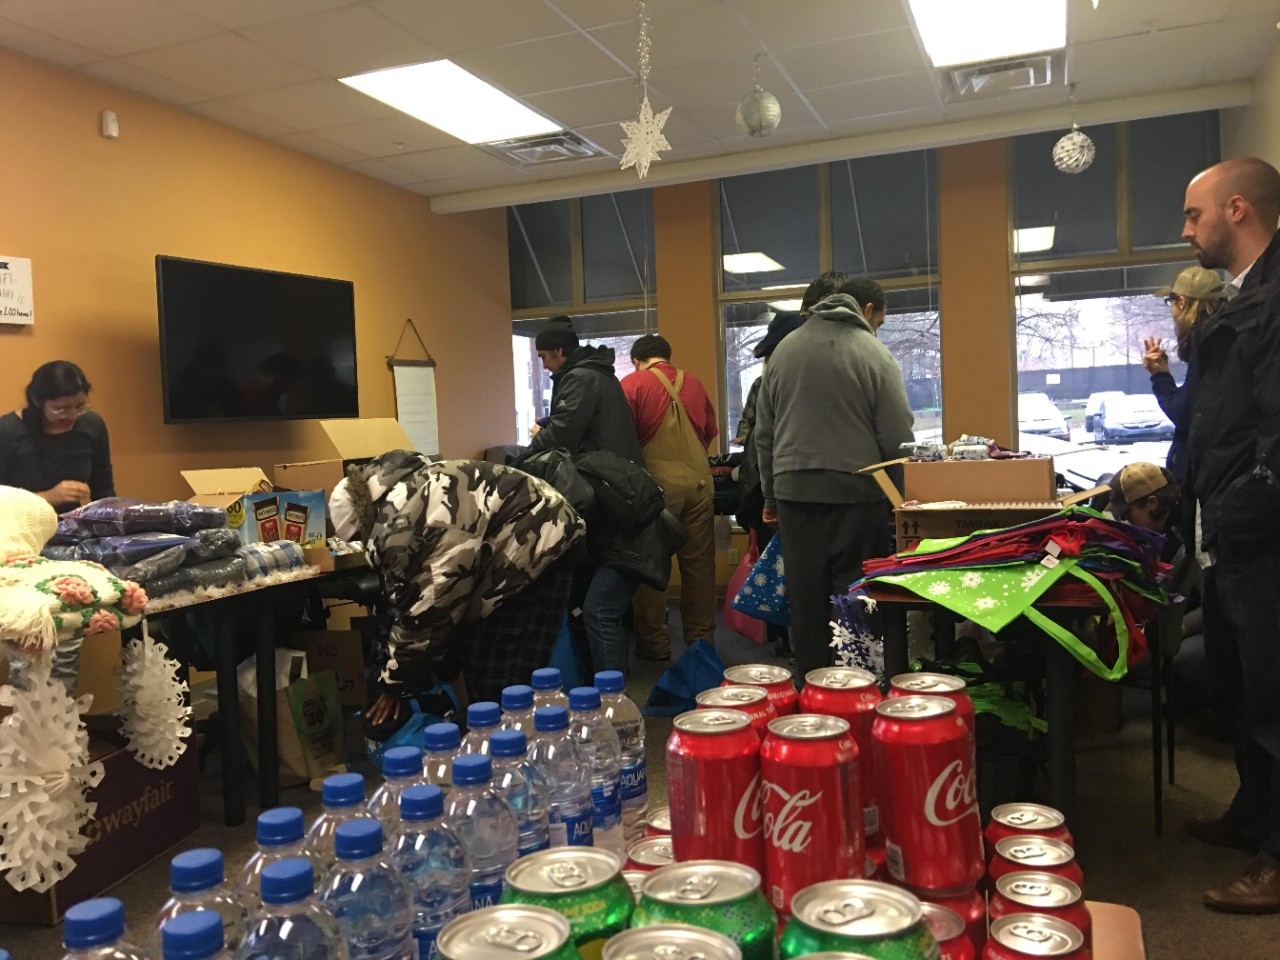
(1171, 298)
(66, 411)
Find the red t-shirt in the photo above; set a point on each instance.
(649, 400)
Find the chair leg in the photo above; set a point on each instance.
(1170, 716)
(1157, 773)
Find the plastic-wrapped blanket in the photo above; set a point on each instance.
(149, 569)
(213, 544)
(119, 516)
(215, 573)
(264, 559)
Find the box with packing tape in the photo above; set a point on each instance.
(352, 441)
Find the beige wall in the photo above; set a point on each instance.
(92, 214)
(1254, 131)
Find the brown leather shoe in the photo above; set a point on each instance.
(1220, 832)
(1257, 890)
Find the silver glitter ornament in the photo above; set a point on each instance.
(1074, 152)
(759, 113)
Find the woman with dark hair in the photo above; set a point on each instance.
(55, 446)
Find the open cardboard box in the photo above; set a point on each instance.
(255, 510)
(353, 441)
(996, 493)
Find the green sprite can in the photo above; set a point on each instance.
(582, 884)
(858, 916)
(506, 933)
(715, 895)
(671, 941)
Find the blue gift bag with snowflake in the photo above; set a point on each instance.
(764, 595)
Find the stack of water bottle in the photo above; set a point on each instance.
(434, 841)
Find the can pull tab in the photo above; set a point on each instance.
(1021, 818)
(1024, 852)
(666, 951)
(760, 676)
(720, 720)
(509, 938)
(1030, 888)
(1031, 933)
(807, 727)
(841, 680)
(846, 911)
(566, 874)
(919, 683)
(737, 696)
(696, 888)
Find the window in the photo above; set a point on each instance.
(773, 216)
(617, 246)
(1166, 153)
(539, 251)
(1059, 214)
(884, 219)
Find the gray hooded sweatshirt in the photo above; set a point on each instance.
(832, 401)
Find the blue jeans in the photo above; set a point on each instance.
(607, 600)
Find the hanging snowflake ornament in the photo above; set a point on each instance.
(1074, 152)
(153, 710)
(759, 112)
(44, 775)
(644, 139)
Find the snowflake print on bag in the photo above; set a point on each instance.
(971, 579)
(940, 589)
(984, 603)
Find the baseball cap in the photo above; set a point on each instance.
(1198, 283)
(1138, 480)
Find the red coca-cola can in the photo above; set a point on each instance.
(753, 701)
(933, 838)
(876, 868)
(657, 823)
(924, 684)
(1043, 893)
(948, 929)
(970, 906)
(1041, 854)
(812, 811)
(776, 680)
(851, 694)
(713, 788)
(649, 854)
(1022, 935)
(1025, 819)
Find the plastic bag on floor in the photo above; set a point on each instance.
(700, 668)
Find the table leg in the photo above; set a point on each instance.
(264, 640)
(893, 629)
(228, 716)
(1062, 675)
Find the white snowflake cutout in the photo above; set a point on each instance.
(153, 709)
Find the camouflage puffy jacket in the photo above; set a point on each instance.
(451, 541)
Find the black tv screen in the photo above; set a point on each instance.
(238, 343)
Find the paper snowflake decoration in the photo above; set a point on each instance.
(861, 650)
(153, 712)
(44, 775)
(644, 139)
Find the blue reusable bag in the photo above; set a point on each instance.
(699, 669)
(764, 594)
(411, 732)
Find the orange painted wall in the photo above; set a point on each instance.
(92, 214)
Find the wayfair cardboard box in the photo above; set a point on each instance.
(994, 494)
(255, 510)
(353, 441)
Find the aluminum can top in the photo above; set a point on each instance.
(839, 678)
(652, 851)
(943, 922)
(670, 941)
(564, 870)
(503, 933)
(928, 684)
(915, 708)
(659, 818)
(732, 698)
(1037, 935)
(1029, 817)
(757, 673)
(808, 726)
(1035, 851)
(856, 908)
(1038, 891)
(701, 882)
(712, 721)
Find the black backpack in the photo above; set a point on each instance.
(627, 496)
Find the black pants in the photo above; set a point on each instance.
(823, 546)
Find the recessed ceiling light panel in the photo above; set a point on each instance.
(970, 31)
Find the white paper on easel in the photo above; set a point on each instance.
(15, 291)
(416, 405)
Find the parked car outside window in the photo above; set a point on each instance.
(1037, 414)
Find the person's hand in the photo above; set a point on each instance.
(534, 430)
(739, 441)
(386, 707)
(769, 516)
(1154, 359)
(68, 491)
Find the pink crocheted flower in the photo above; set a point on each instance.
(72, 590)
(103, 621)
(134, 598)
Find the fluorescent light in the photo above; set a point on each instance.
(1033, 239)
(750, 263)
(1032, 280)
(955, 32)
(780, 286)
(444, 95)
(1030, 300)
(786, 306)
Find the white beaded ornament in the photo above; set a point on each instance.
(1074, 151)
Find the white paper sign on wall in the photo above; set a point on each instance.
(15, 290)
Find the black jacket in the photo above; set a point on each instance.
(1234, 440)
(1175, 401)
(588, 408)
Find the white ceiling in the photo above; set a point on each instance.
(841, 68)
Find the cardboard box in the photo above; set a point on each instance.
(255, 510)
(353, 441)
(142, 814)
(341, 651)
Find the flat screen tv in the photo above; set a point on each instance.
(238, 343)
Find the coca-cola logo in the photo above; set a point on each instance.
(749, 815)
(785, 829)
(952, 796)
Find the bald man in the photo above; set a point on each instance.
(1234, 473)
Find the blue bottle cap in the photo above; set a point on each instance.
(342, 790)
(357, 839)
(508, 743)
(472, 769)
(195, 870)
(93, 923)
(442, 736)
(550, 719)
(486, 713)
(402, 762)
(584, 698)
(610, 681)
(280, 826)
(548, 678)
(517, 697)
(421, 802)
(288, 880)
(196, 935)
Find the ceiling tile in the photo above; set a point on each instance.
(678, 131)
(715, 81)
(720, 121)
(378, 138)
(381, 170)
(1127, 17)
(16, 36)
(237, 14)
(887, 121)
(1180, 52)
(319, 147)
(428, 188)
(343, 42)
(780, 137)
(483, 23)
(482, 181)
(1226, 71)
(681, 36)
(224, 65)
(1254, 8)
(449, 162)
(113, 28)
(553, 63)
(852, 101)
(315, 104)
(237, 116)
(597, 13)
(852, 60)
(1112, 88)
(1249, 39)
(124, 74)
(591, 104)
(779, 26)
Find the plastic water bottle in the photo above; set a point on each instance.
(196, 883)
(193, 936)
(342, 798)
(521, 786)
(366, 894)
(94, 930)
(558, 759)
(517, 709)
(486, 825)
(603, 751)
(483, 719)
(291, 923)
(442, 741)
(280, 836)
(548, 688)
(401, 769)
(621, 711)
(433, 862)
